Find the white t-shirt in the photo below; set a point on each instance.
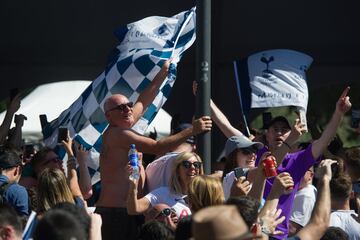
(174, 200)
(304, 202)
(158, 172)
(227, 184)
(344, 220)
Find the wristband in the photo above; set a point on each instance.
(286, 144)
(265, 230)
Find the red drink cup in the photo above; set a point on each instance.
(269, 164)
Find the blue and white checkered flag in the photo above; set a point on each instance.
(144, 46)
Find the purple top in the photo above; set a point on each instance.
(296, 164)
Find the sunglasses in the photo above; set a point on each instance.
(165, 212)
(248, 151)
(122, 107)
(187, 164)
(54, 160)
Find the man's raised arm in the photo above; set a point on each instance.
(149, 94)
(229, 130)
(219, 117)
(148, 145)
(320, 216)
(222, 122)
(342, 106)
(12, 107)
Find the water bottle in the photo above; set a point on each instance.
(133, 159)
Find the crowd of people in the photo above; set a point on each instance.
(313, 193)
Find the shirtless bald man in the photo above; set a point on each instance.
(122, 115)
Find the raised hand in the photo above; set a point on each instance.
(240, 187)
(171, 221)
(133, 183)
(68, 143)
(19, 119)
(297, 130)
(324, 169)
(165, 67)
(129, 170)
(283, 184)
(140, 159)
(270, 220)
(162, 74)
(343, 104)
(14, 105)
(261, 164)
(202, 124)
(81, 153)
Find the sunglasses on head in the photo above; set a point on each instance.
(122, 107)
(187, 164)
(165, 212)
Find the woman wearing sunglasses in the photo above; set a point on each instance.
(240, 155)
(185, 168)
(240, 152)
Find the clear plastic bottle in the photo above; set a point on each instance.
(133, 159)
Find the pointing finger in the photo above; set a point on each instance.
(345, 92)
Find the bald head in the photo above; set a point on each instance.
(114, 100)
(119, 111)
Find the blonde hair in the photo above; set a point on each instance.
(205, 191)
(174, 183)
(52, 189)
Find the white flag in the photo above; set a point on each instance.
(277, 78)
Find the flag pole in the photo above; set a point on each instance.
(203, 76)
(247, 131)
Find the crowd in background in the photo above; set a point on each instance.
(313, 193)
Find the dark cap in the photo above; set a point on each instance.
(279, 119)
(181, 127)
(9, 159)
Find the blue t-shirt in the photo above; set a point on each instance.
(17, 196)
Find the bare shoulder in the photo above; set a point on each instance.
(121, 137)
(117, 132)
